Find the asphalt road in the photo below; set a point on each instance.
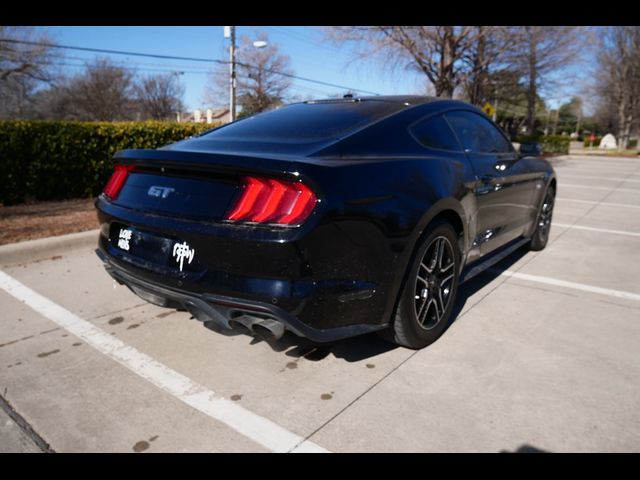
(544, 356)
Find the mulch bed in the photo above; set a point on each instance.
(46, 219)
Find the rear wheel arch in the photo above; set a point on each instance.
(453, 218)
(449, 213)
(401, 329)
(448, 210)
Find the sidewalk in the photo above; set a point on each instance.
(603, 153)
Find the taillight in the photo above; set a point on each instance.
(273, 201)
(116, 182)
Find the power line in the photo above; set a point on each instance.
(316, 92)
(135, 68)
(79, 62)
(173, 66)
(189, 59)
(301, 38)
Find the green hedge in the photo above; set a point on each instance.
(42, 160)
(550, 143)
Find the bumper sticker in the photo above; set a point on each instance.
(123, 238)
(182, 251)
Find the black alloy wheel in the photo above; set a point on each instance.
(434, 283)
(540, 236)
(426, 302)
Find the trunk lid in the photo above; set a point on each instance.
(193, 185)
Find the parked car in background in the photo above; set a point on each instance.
(533, 149)
(328, 218)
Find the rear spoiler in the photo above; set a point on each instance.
(204, 161)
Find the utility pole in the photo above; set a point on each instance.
(495, 106)
(230, 32)
(555, 124)
(232, 74)
(546, 125)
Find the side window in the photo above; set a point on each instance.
(477, 134)
(435, 132)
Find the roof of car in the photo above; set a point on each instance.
(405, 99)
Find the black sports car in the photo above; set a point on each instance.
(327, 218)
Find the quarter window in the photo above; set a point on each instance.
(477, 134)
(436, 133)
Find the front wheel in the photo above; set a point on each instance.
(425, 306)
(540, 236)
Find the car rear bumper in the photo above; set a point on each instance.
(225, 310)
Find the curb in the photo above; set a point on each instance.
(44, 248)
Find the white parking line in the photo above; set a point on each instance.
(595, 166)
(601, 160)
(600, 177)
(563, 283)
(593, 202)
(257, 428)
(603, 173)
(603, 230)
(591, 187)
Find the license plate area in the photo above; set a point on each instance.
(151, 250)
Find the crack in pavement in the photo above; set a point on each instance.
(22, 423)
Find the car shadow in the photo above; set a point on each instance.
(526, 449)
(367, 346)
(475, 284)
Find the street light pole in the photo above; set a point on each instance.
(230, 32)
(232, 72)
(177, 75)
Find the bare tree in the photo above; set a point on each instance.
(261, 84)
(54, 103)
(487, 66)
(23, 68)
(538, 52)
(619, 84)
(105, 91)
(436, 51)
(159, 96)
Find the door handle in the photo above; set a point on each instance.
(487, 178)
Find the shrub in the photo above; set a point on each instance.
(45, 160)
(550, 143)
(556, 144)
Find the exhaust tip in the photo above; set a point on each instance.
(266, 328)
(263, 332)
(240, 327)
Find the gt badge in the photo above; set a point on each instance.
(182, 251)
(162, 192)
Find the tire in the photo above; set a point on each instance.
(540, 236)
(429, 292)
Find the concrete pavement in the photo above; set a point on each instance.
(531, 363)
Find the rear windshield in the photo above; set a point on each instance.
(307, 122)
